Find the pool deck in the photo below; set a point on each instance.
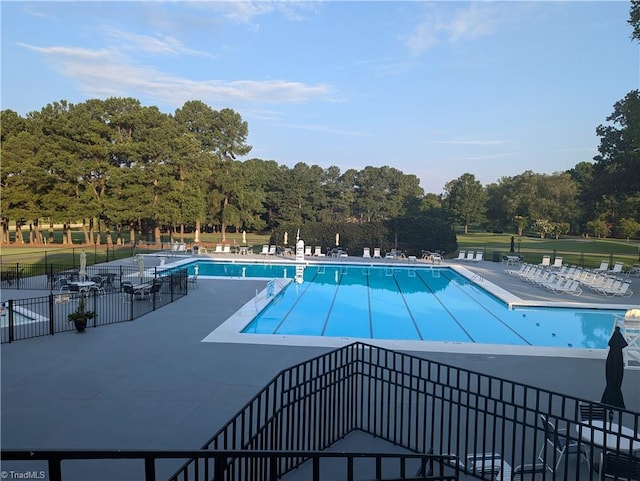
(152, 383)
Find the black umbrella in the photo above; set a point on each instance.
(512, 245)
(612, 394)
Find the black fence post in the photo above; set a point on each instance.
(52, 329)
(11, 326)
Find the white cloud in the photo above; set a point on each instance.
(471, 142)
(107, 72)
(441, 25)
(160, 44)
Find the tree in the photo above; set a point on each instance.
(628, 228)
(598, 228)
(543, 227)
(465, 200)
(617, 166)
(634, 19)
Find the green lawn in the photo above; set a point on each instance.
(66, 255)
(574, 250)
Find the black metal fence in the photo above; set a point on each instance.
(48, 315)
(381, 466)
(490, 424)
(24, 276)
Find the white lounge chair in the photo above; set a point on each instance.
(617, 268)
(546, 261)
(265, 250)
(376, 253)
(366, 254)
(604, 267)
(469, 256)
(622, 289)
(557, 263)
(226, 249)
(272, 250)
(436, 258)
(218, 249)
(461, 256)
(307, 251)
(478, 257)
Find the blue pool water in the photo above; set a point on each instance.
(402, 303)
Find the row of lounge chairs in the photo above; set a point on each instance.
(470, 256)
(572, 280)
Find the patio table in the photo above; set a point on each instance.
(593, 432)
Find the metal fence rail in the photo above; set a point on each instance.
(48, 315)
(213, 464)
(421, 405)
(25, 276)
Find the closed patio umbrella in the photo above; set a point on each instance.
(337, 240)
(82, 273)
(286, 238)
(244, 237)
(612, 395)
(140, 266)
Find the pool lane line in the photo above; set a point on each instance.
(333, 301)
(473, 284)
(406, 304)
(445, 308)
(275, 331)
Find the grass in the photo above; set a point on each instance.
(573, 250)
(59, 254)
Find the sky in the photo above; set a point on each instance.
(434, 89)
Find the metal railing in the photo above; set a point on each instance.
(479, 425)
(48, 315)
(212, 465)
(22, 276)
(421, 405)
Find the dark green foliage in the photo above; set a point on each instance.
(410, 235)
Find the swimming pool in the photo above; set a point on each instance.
(409, 304)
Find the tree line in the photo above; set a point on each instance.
(119, 166)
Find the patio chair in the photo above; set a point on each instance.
(193, 280)
(617, 268)
(153, 292)
(619, 466)
(479, 257)
(529, 472)
(99, 284)
(557, 263)
(461, 255)
(590, 412)
(265, 250)
(366, 253)
(546, 261)
(469, 256)
(376, 253)
(218, 249)
(557, 445)
(63, 284)
(318, 251)
(604, 267)
(307, 251)
(226, 249)
(489, 466)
